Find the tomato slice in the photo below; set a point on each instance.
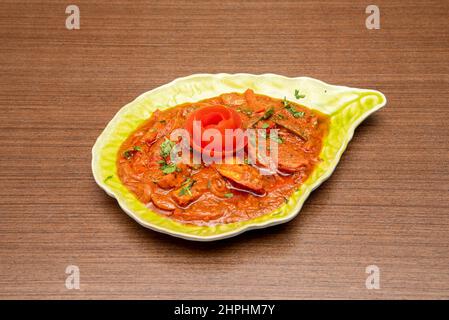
(220, 118)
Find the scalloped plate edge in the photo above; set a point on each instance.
(234, 232)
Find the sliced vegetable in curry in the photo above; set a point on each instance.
(213, 193)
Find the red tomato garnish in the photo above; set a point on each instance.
(216, 117)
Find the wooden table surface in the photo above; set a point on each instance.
(385, 205)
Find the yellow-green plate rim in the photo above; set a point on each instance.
(348, 107)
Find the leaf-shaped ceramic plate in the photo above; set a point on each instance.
(347, 108)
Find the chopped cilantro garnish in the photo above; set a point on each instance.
(267, 113)
(291, 109)
(169, 168)
(295, 113)
(108, 178)
(186, 186)
(128, 154)
(166, 147)
(276, 138)
(265, 125)
(228, 195)
(299, 96)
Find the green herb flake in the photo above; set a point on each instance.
(228, 195)
(276, 138)
(108, 178)
(128, 154)
(265, 125)
(168, 168)
(186, 186)
(299, 96)
(267, 114)
(166, 147)
(295, 113)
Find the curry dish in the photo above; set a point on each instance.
(214, 193)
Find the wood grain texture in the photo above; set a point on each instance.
(386, 204)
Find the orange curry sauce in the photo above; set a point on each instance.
(222, 193)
